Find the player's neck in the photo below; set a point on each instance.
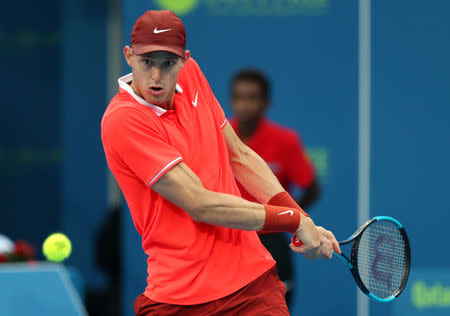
(168, 106)
(248, 128)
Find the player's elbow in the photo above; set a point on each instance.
(197, 214)
(207, 207)
(200, 214)
(198, 209)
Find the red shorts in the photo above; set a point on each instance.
(262, 297)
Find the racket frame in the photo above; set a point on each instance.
(352, 263)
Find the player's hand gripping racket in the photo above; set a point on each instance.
(380, 257)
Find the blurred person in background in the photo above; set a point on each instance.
(175, 158)
(281, 148)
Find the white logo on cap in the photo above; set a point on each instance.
(156, 31)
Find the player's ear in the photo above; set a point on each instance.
(187, 55)
(128, 53)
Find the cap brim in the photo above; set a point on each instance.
(141, 49)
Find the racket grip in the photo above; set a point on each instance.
(297, 241)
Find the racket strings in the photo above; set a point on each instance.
(382, 259)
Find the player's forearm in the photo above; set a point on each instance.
(228, 211)
(234, 212)
(184, 189)
(254, 174)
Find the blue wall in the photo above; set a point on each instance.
(52, 166)
(410, 125)
(83, 100)
(30, 145)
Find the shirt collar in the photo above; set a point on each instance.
(124, 83)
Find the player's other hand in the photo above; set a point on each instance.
(317, 241)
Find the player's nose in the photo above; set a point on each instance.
(156, 74)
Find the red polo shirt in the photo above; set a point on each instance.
(188, 262)
(283, 151)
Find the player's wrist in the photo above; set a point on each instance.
(285, 199)
(305, 224)
(281, 219)
(307, 233)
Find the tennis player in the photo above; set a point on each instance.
(250, 98)
(174, 155)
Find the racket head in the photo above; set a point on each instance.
(381, 258)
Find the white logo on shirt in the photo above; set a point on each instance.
(194, 103)
(156, 31)
(291, 212)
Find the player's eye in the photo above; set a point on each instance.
(148, 62)
(170, 63)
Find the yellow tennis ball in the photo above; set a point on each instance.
(179, 7)
(57, 247)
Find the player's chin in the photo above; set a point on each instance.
(155, 99)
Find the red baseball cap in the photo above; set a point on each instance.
(158, 30)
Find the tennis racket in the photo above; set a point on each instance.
(380, 258)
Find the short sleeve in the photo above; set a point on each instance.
(219, 115)
(300, 169)
(216, 108)
(128, 135)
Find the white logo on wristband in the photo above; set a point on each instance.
(291, 212)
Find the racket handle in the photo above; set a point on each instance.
(297, 241)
